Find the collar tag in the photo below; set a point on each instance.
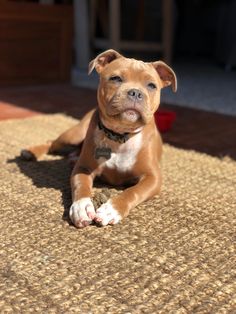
(104, 152)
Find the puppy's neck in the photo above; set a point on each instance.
(116, 135)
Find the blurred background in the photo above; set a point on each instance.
(197, 37)
(45, 47)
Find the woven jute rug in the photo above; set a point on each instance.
(173, 254)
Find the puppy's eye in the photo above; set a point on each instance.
(152, 86)
(115, 78)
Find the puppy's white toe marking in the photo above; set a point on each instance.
(107, 214)
(82, 212)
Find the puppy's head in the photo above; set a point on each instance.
(129, 90)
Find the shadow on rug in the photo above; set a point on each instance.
(173, 254)
(49, 174)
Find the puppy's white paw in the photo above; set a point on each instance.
(107, 214)
(82, 212)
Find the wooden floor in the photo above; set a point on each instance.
(206, 132)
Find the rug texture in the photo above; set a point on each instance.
(174, 254)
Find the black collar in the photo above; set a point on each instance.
(117, 137)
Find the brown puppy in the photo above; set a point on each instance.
(121, 143)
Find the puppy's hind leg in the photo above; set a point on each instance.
(72, 137)
(34, 152)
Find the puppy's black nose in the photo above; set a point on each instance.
(135, 94)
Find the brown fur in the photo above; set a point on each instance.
(112, 105)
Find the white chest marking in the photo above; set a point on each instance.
(125, 157)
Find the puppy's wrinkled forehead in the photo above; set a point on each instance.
(110, 62)
(131, 69)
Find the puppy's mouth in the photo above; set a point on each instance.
(128, 111)
(131, 114)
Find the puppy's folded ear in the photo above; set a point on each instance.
(103, 59)
(167, 75)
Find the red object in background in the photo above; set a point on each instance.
(164, 119)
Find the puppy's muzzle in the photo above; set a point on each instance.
(135, 94)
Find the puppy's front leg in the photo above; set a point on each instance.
(119, 206)
(82, 211)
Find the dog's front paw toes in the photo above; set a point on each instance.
(107, 214)
(82, 212)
